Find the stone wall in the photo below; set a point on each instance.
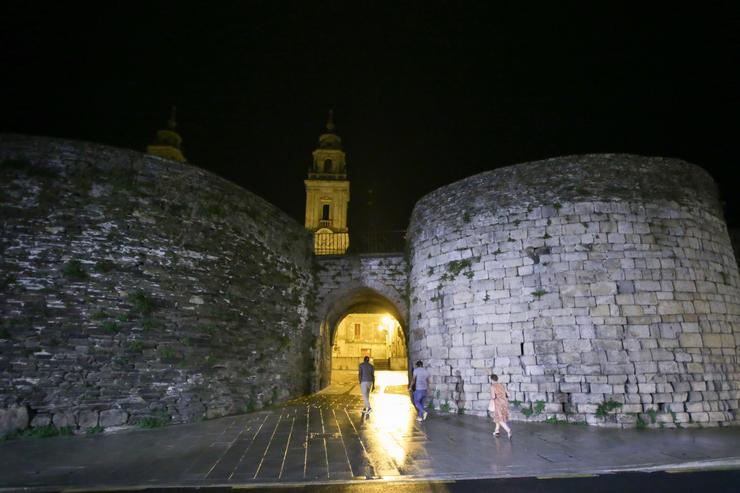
(581, 281)
(134, 287)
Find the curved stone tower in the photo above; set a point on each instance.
(139, 289)
(599, 287)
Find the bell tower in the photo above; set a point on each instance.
(167, 142)
(327, 194)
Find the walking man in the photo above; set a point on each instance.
(420, 384)
(367, 382)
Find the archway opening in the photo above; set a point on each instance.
(378, 336)
(362, 322)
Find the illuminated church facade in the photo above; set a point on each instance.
(327, 194)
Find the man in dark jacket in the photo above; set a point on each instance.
(367, 382)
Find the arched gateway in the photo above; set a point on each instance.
(363, 287)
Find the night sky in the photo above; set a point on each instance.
(423, 93)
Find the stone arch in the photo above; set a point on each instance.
(373, 296)
(351, 298)
(350, 284)
(365, 300)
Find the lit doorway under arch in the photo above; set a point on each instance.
(381, 334)
(376, 335)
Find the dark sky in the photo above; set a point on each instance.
(424, 93)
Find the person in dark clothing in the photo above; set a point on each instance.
(367, 382)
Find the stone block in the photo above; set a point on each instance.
(717, 416)
(600, 310)
(548, 347)
(631, 408)
(41, 419)
(661, 398)
(569, 358)
(87, 419)
(646, 388)
(462, 297)
(586, 398)
(701, 307)
(508, 350)
(603, 288)
(696, 396)
(618, 368)
(63, 419)
(712, 340)
(698, 386)
(13, 418)
(462, 352)
(483, 352)
(702, 417)
(497, 337)
(632, 310)
(607, 344)
(646, 298)
(474, 338)
(662, 355)
(593, 357)
(113, 417)
(676, 407)
(690, 340)
(566, 332)
(601, 388)
(538, 335)
(584, 369)
(440, 352)
(570, 387)
(670, 308)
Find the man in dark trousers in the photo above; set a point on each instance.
(419, 385)
(367, 382)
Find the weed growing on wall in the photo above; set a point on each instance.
(167, 353)
(539, 293)
(135, 346)
(142, 302)
(110, 326)
(104, 266)
(607, 406)
(156, 421)
(535, 410)
(39, 432)
(73, 270)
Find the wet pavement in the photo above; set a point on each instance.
(325, 438)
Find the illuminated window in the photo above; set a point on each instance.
(325, 212)
(358, 331)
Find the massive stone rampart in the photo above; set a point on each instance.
(583, 281)
(134, 287)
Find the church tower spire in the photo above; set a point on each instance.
(167, 142)
(327, 194)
